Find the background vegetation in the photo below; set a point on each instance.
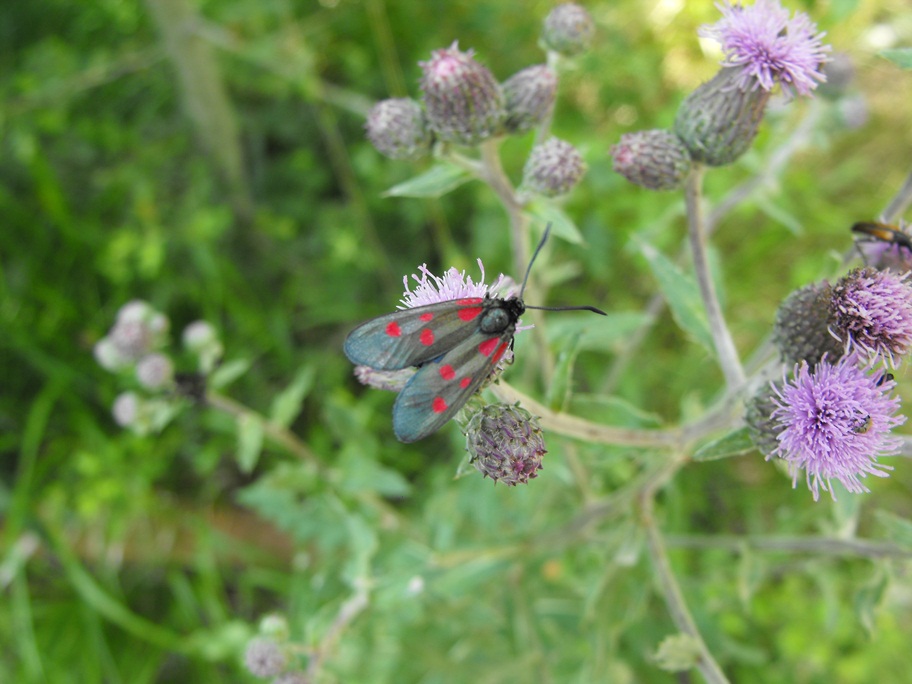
(226, 177)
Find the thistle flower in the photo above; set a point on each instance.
(398, 128)
(452, 285)
(568, 29)
(529, 97)
(871, 313)
(762, 46)
(264, 658)
(655, 159)
(833, 422)
(553, 168)
(766, 47)
(802, 328)
(464, 102)
(505, 443)
(126, 409)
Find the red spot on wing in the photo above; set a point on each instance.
(500, 352)
(439, 405)
(465, 382)
(393, 329)
(426, 317)
(469, 313)
(488, 346)
(447, 372)
(426, 337)
(468, 301)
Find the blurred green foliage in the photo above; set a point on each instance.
(152, 559)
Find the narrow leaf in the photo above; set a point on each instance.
(735, 443)
(436, 181)
(901, 57)
(250, 442)
(228, 373)
(561, 224)
(681, 293)
(287, 403)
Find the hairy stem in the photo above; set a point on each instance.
(674, 599)
(725, 346)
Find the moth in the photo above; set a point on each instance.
(455, 345)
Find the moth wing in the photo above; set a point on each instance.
(413, 336)
(441, 387)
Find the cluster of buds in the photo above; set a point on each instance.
(833, 415)
(136, 347)
(762, 47)
(462, 103)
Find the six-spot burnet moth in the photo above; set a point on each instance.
(455, 344)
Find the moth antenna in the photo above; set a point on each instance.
(532, 260)
(568, 308)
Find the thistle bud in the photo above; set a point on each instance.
(760, 424)
(138, 330)
(801, 331)
(398, 128)
(568, 29)
(655, 159)
(529, 96)
(718, 121)
(463, 101)
(264, 658)
(553, 168)
(505, 443)
(201, 340)
(155, 371)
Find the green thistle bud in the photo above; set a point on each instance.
(463, 101)
(505, 443)
(760, 424)
(568, 30)
(553, 168)
(655, 159)
(398, 128)
(801, 331)
(529, 96)
(718, 121)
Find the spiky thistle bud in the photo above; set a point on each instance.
(718, 121)
(553, 168)
(463, 101)
(264, 658)
(568, 29)
(760, 424)
(655, 159)
(398, 128)
(801, 331)
(505, 443)
(529, 95)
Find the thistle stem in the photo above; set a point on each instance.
(725, 346)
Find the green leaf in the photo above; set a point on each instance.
(681, 293)
(898, 529)
(436, 181)
(287, 403)
(901, 57)
(250, 442)
(595, 333)
(561, 224)
(735, 443)
(678, 653)
(228, 372)
(559, 388)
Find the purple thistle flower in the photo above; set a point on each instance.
(834, 421)
(769, 47)
(871, 312)
(452, 285)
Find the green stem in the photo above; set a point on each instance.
(674, 598)
(725, 346)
